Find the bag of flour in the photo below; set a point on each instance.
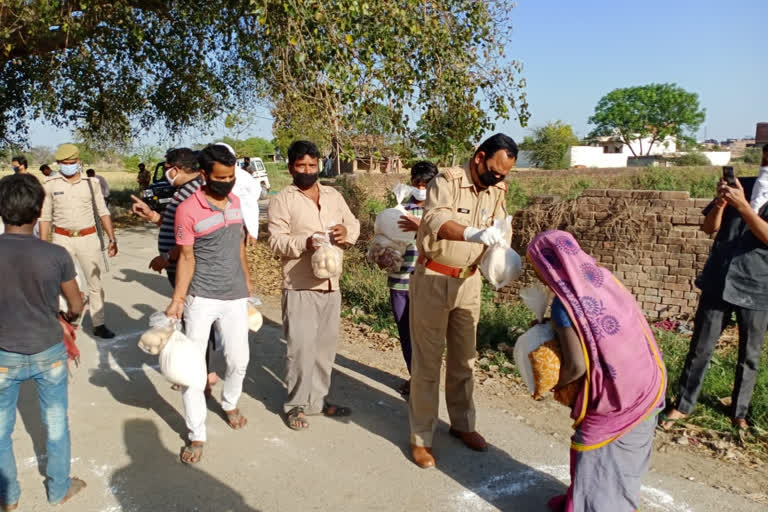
(255, 320)
(160, 330)
(386, 221)
(537, 300)
(501, 265)
(182, 362)
(327, 260)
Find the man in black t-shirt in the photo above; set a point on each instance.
(734, 280)
(31, 337)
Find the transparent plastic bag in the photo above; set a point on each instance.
(386, 222)
(182, 362)
(537, 299)
(255, 319)
(160, 330)
(501, 265)
(327, 260)
(384, 256)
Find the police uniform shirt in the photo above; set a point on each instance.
(69, 205)
(453, 196)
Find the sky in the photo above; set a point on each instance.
(576, 51)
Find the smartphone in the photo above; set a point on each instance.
(729, 175)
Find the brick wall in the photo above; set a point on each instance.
(650, 240)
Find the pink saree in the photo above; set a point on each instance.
(626, 378)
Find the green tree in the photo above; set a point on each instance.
(549, 145)
(252, 146)
(121, 67)
(656, 111)
(448, 127)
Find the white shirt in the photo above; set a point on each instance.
(248, 190)
(760, 191)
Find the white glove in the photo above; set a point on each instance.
(487, 236)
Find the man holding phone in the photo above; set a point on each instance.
(734, 280)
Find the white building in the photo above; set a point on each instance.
(637, 147)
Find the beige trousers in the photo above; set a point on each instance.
(444, 311)
(311, 327)
(86, 251)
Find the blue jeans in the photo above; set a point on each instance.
(49, 371)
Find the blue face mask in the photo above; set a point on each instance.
(69, 169)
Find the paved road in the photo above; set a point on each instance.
(127, 427)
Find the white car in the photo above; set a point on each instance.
(259, 173)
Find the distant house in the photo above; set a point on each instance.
(372, 155)
(638, 147)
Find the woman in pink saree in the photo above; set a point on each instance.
(612, 376)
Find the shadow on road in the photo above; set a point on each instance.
(122, 371)
(494, 477)
(156, 480)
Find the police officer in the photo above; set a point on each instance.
(462, 204)
(68, 208)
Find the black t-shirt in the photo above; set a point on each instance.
(32, 272)
(737, 267)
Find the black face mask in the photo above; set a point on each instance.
(304, 181)
(220, 188)
(488, 178)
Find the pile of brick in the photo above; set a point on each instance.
(650, 240)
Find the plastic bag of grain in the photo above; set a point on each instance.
(501, 265)
(382, 254)
(160, 330)
(182, 362)
(255, 319)
(537, 368)
(386, 223)
(327, 260)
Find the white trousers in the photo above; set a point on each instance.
(231, 320)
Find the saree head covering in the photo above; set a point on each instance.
(625, 379)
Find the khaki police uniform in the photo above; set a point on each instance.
(69, 206)
(445, 301)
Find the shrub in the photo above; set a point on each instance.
(691, 159)
(753, 156)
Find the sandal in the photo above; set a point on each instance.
(666, 423)
(296, 419)
(235, 419)
(335, 411)
(192, 453)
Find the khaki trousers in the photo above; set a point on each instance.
(444, 311)
(311, 327)
(86, 251)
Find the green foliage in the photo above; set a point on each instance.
(365, 292)
(446, 130)
(656, 111)
(496, 319)
(252, 146)
(700, 185)
(549, 145)
(517, 197)
(119, 67)
(279, 177)
(691, 159)
(753, 156)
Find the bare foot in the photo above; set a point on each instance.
(740, 423)
(668, 420)
(76, 486)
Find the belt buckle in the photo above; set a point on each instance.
(465, 272)
(75, 233)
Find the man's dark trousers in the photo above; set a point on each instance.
(712, 316)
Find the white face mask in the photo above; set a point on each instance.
(168, 176)
(69, 169)
(419, 194)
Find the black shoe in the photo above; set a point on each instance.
(102, 332)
